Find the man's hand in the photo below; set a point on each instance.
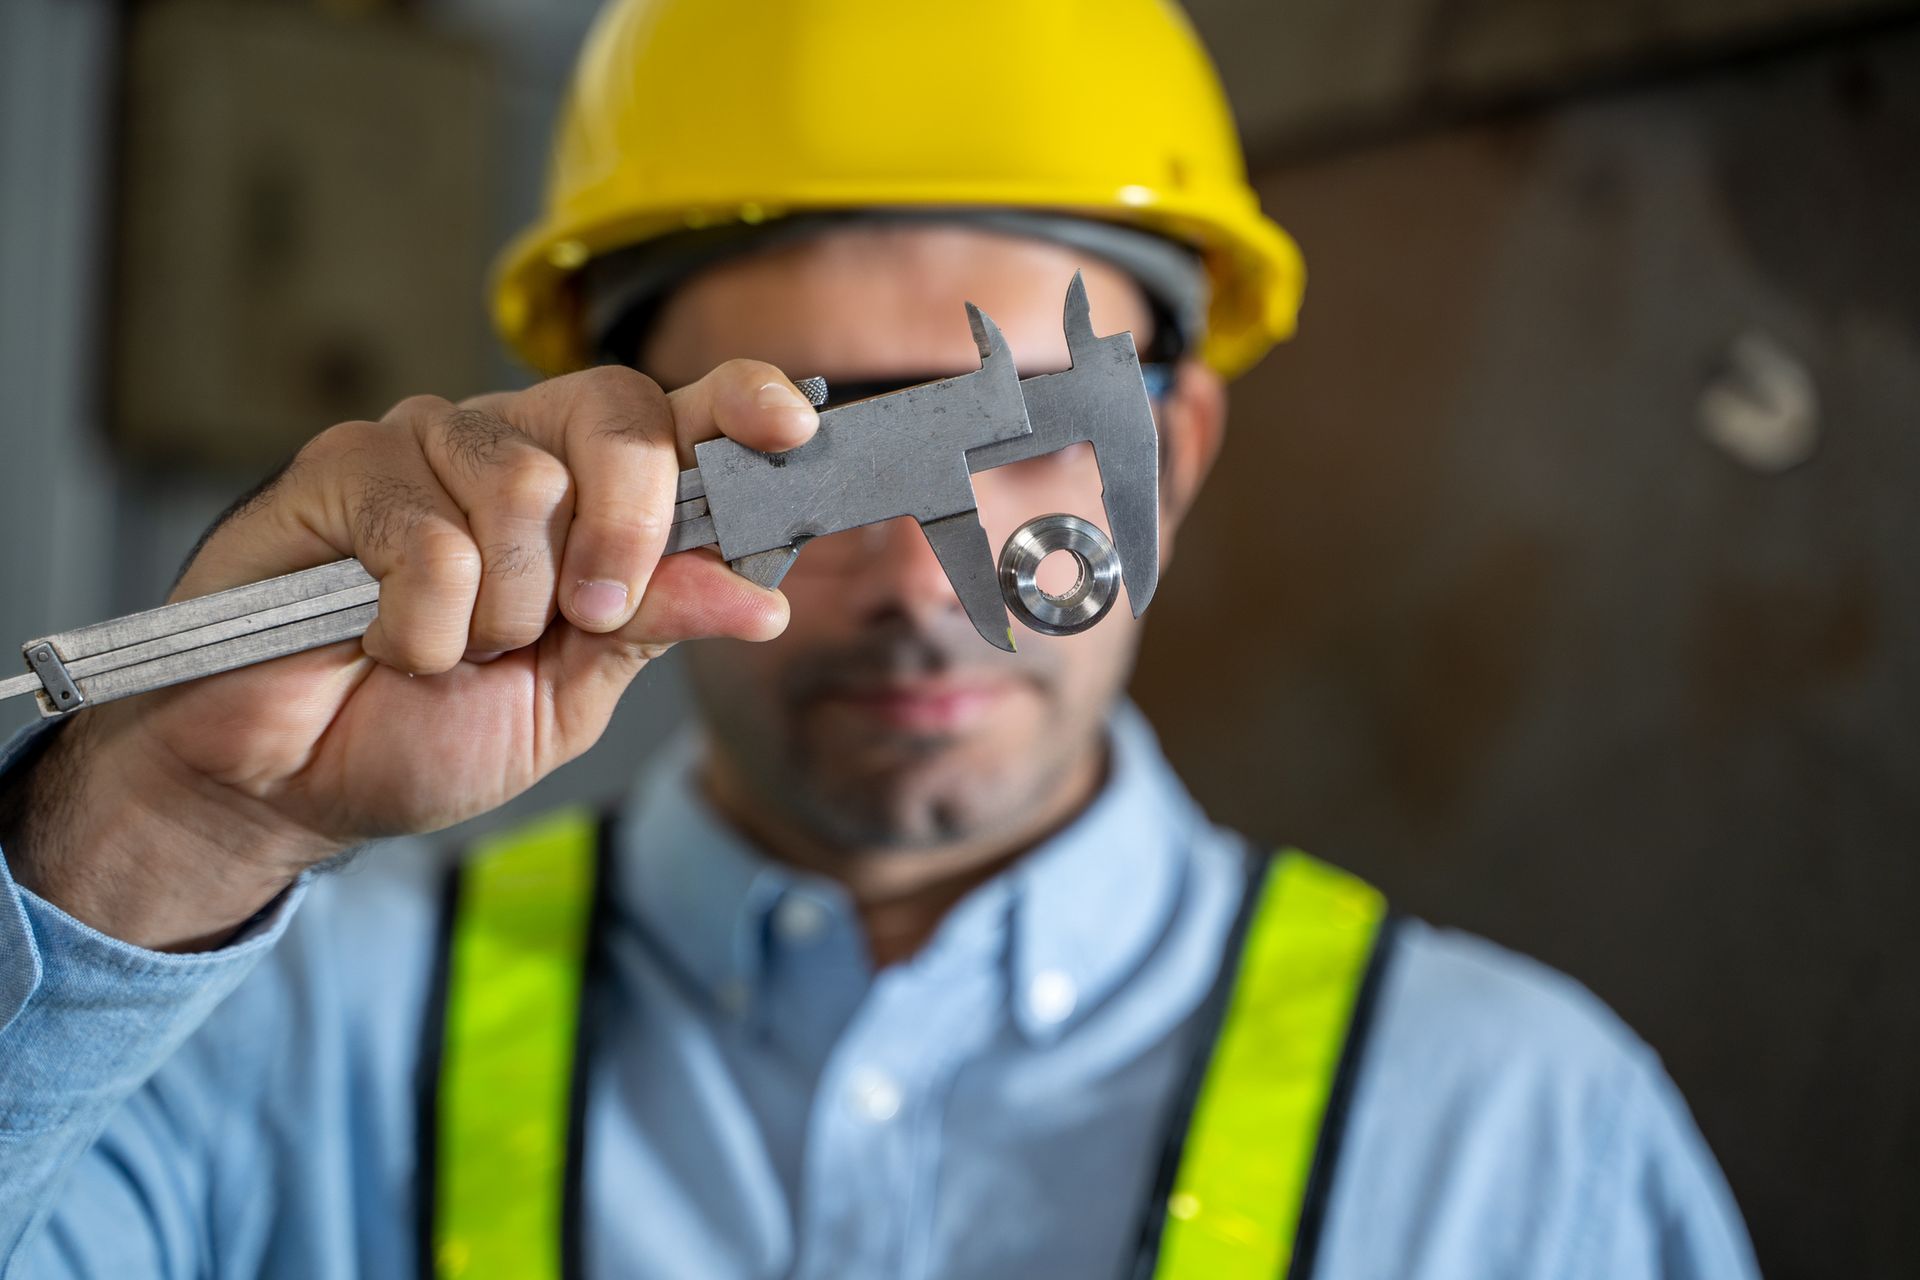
(517, 540)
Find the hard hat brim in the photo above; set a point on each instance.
(1255, 268)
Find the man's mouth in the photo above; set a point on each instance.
(924, 705)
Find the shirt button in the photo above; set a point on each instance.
(799, 919)
(873, 1095)
(1051, 996)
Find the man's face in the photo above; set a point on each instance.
(881, 720)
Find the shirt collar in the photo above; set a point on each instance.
(1080, 911)
(1089, 903)
(694, 883)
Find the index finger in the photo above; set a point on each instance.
(620, 437)
(749, 401)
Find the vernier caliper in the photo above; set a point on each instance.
(909, 453)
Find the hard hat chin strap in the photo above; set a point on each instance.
(621, 292)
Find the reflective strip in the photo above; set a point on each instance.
(1234, 1210)
(515, 965)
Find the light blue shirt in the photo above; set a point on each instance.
(764, 1104)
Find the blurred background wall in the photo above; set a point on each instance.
(1561, 576)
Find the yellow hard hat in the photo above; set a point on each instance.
(685, 114)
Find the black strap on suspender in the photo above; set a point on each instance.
(430, 1059)
(1206, 1029)
(426, 1081)
(593, 1010)
(1333, 1124)
(1205, 1032)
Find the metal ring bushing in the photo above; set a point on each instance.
(1082, 604)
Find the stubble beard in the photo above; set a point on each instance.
(933, 794)
(897, 791)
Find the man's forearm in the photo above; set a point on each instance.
(110, 839)
(85, 1018)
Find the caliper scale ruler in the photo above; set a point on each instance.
(908, 453)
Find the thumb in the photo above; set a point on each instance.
(692, 596)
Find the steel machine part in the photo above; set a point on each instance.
(909, 453)
(1078, 607)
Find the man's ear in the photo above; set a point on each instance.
(1193, 421)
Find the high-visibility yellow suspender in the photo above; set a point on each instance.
(1248, 1161)
(1257, 1147)
(515, 964)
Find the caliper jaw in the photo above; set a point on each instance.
(913, 453)
(1102, 400)
(903, 454)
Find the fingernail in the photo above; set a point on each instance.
(599, 601)
(795, 408)
(778, 395)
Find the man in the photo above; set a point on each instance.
(916, 959)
